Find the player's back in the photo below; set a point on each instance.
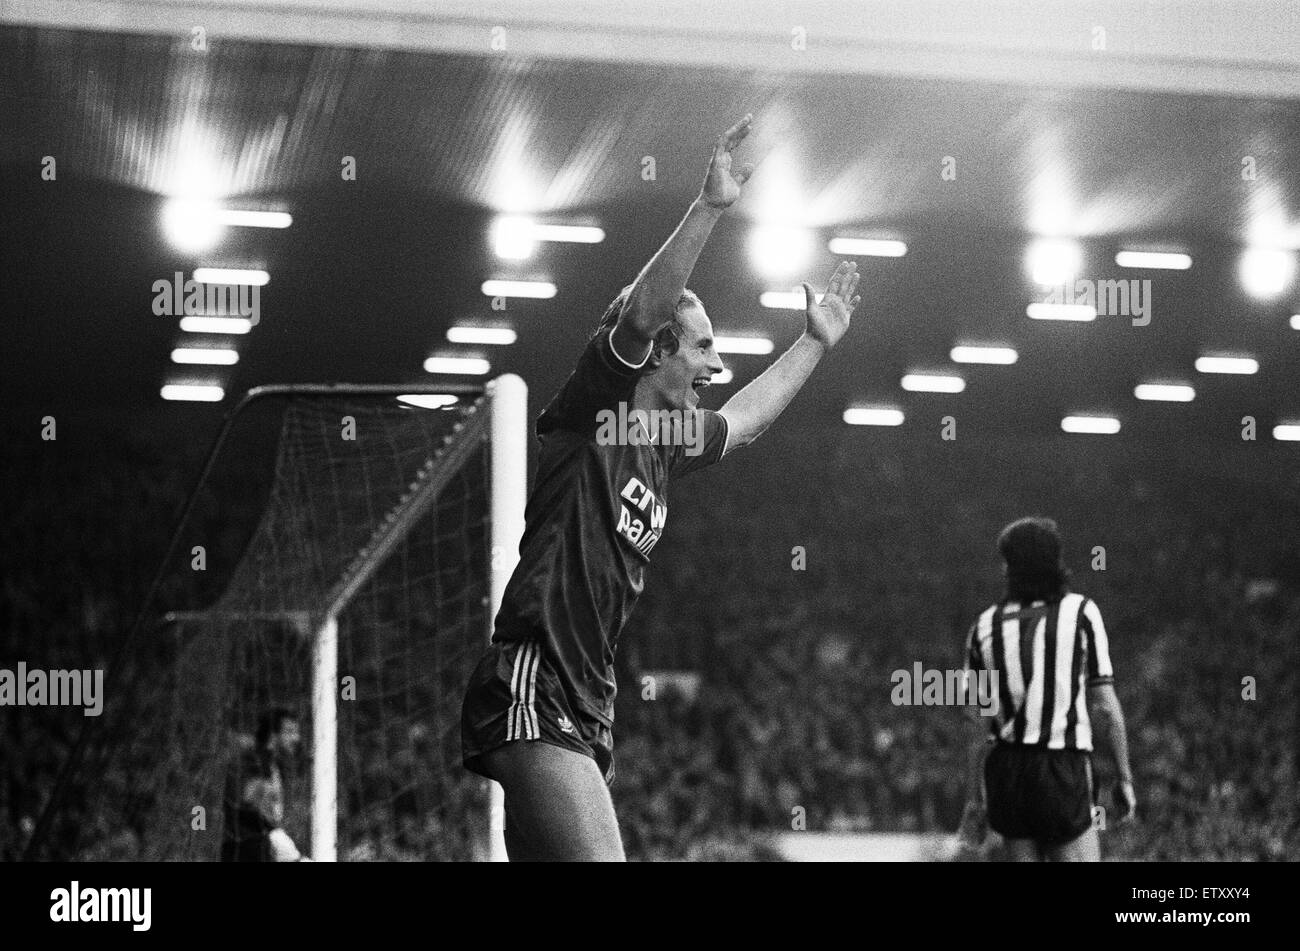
(1045, 652)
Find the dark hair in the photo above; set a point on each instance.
(669, 337)
(271, 722)
(1031, 548)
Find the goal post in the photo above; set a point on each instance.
(362, 600)
(325, 742)
(508, 397)
(506, 400)
(507, 405)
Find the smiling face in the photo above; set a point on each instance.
(680, 377)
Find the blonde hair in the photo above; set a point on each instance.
(669, 337)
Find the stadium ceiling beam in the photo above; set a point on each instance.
(1244, 48)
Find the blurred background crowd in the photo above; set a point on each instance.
(786, 703)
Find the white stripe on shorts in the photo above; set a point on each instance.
(521, 720)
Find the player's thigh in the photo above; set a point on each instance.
(557, 804)
(1086, 848)
(1022, 850)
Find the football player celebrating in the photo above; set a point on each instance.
(539, 711)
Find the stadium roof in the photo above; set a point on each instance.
(366, 282)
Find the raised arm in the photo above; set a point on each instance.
(654, 295)
(755, 407)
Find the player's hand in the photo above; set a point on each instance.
(722, 183)
(974, 828)
(828, 319)
(282, 847)
(1126, 802)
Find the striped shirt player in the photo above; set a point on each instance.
(1050, 651)
(1045, 654)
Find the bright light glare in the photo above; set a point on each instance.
(1287, 432)
(229, 275)
(721, 378)
(1244, 365)
(489, 336)
(869, 247)
(472, 366)
(210, 356)
(196, 224)
(933, 383)
(776, 251)
(193, 392)
(753, 345)
(1295, 321)
(872, 416)
(1040, 310)
(1165, 392)
(1054, 261)
(1103, 425)
(427, 400)
(1154, 260)
(1266, 273)
(785, 300)
(253, 219)
(191, 225)
(513, 238)
(542, 290)
(571, 234)
(1002, 356)
(216, 325)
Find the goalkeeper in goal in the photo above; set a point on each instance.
(539, 710)
(255, 794)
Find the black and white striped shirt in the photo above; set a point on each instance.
(1045, 653)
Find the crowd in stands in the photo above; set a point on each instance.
(793, 579)
(1192, 557)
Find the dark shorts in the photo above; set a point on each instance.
(252, 848)
(514, 694)
(1037, 793)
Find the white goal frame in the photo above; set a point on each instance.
(505, 425)
(506, 429)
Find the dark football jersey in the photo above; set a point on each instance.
(597, 509)
(254, 806)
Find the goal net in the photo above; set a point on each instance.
(360, 606)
